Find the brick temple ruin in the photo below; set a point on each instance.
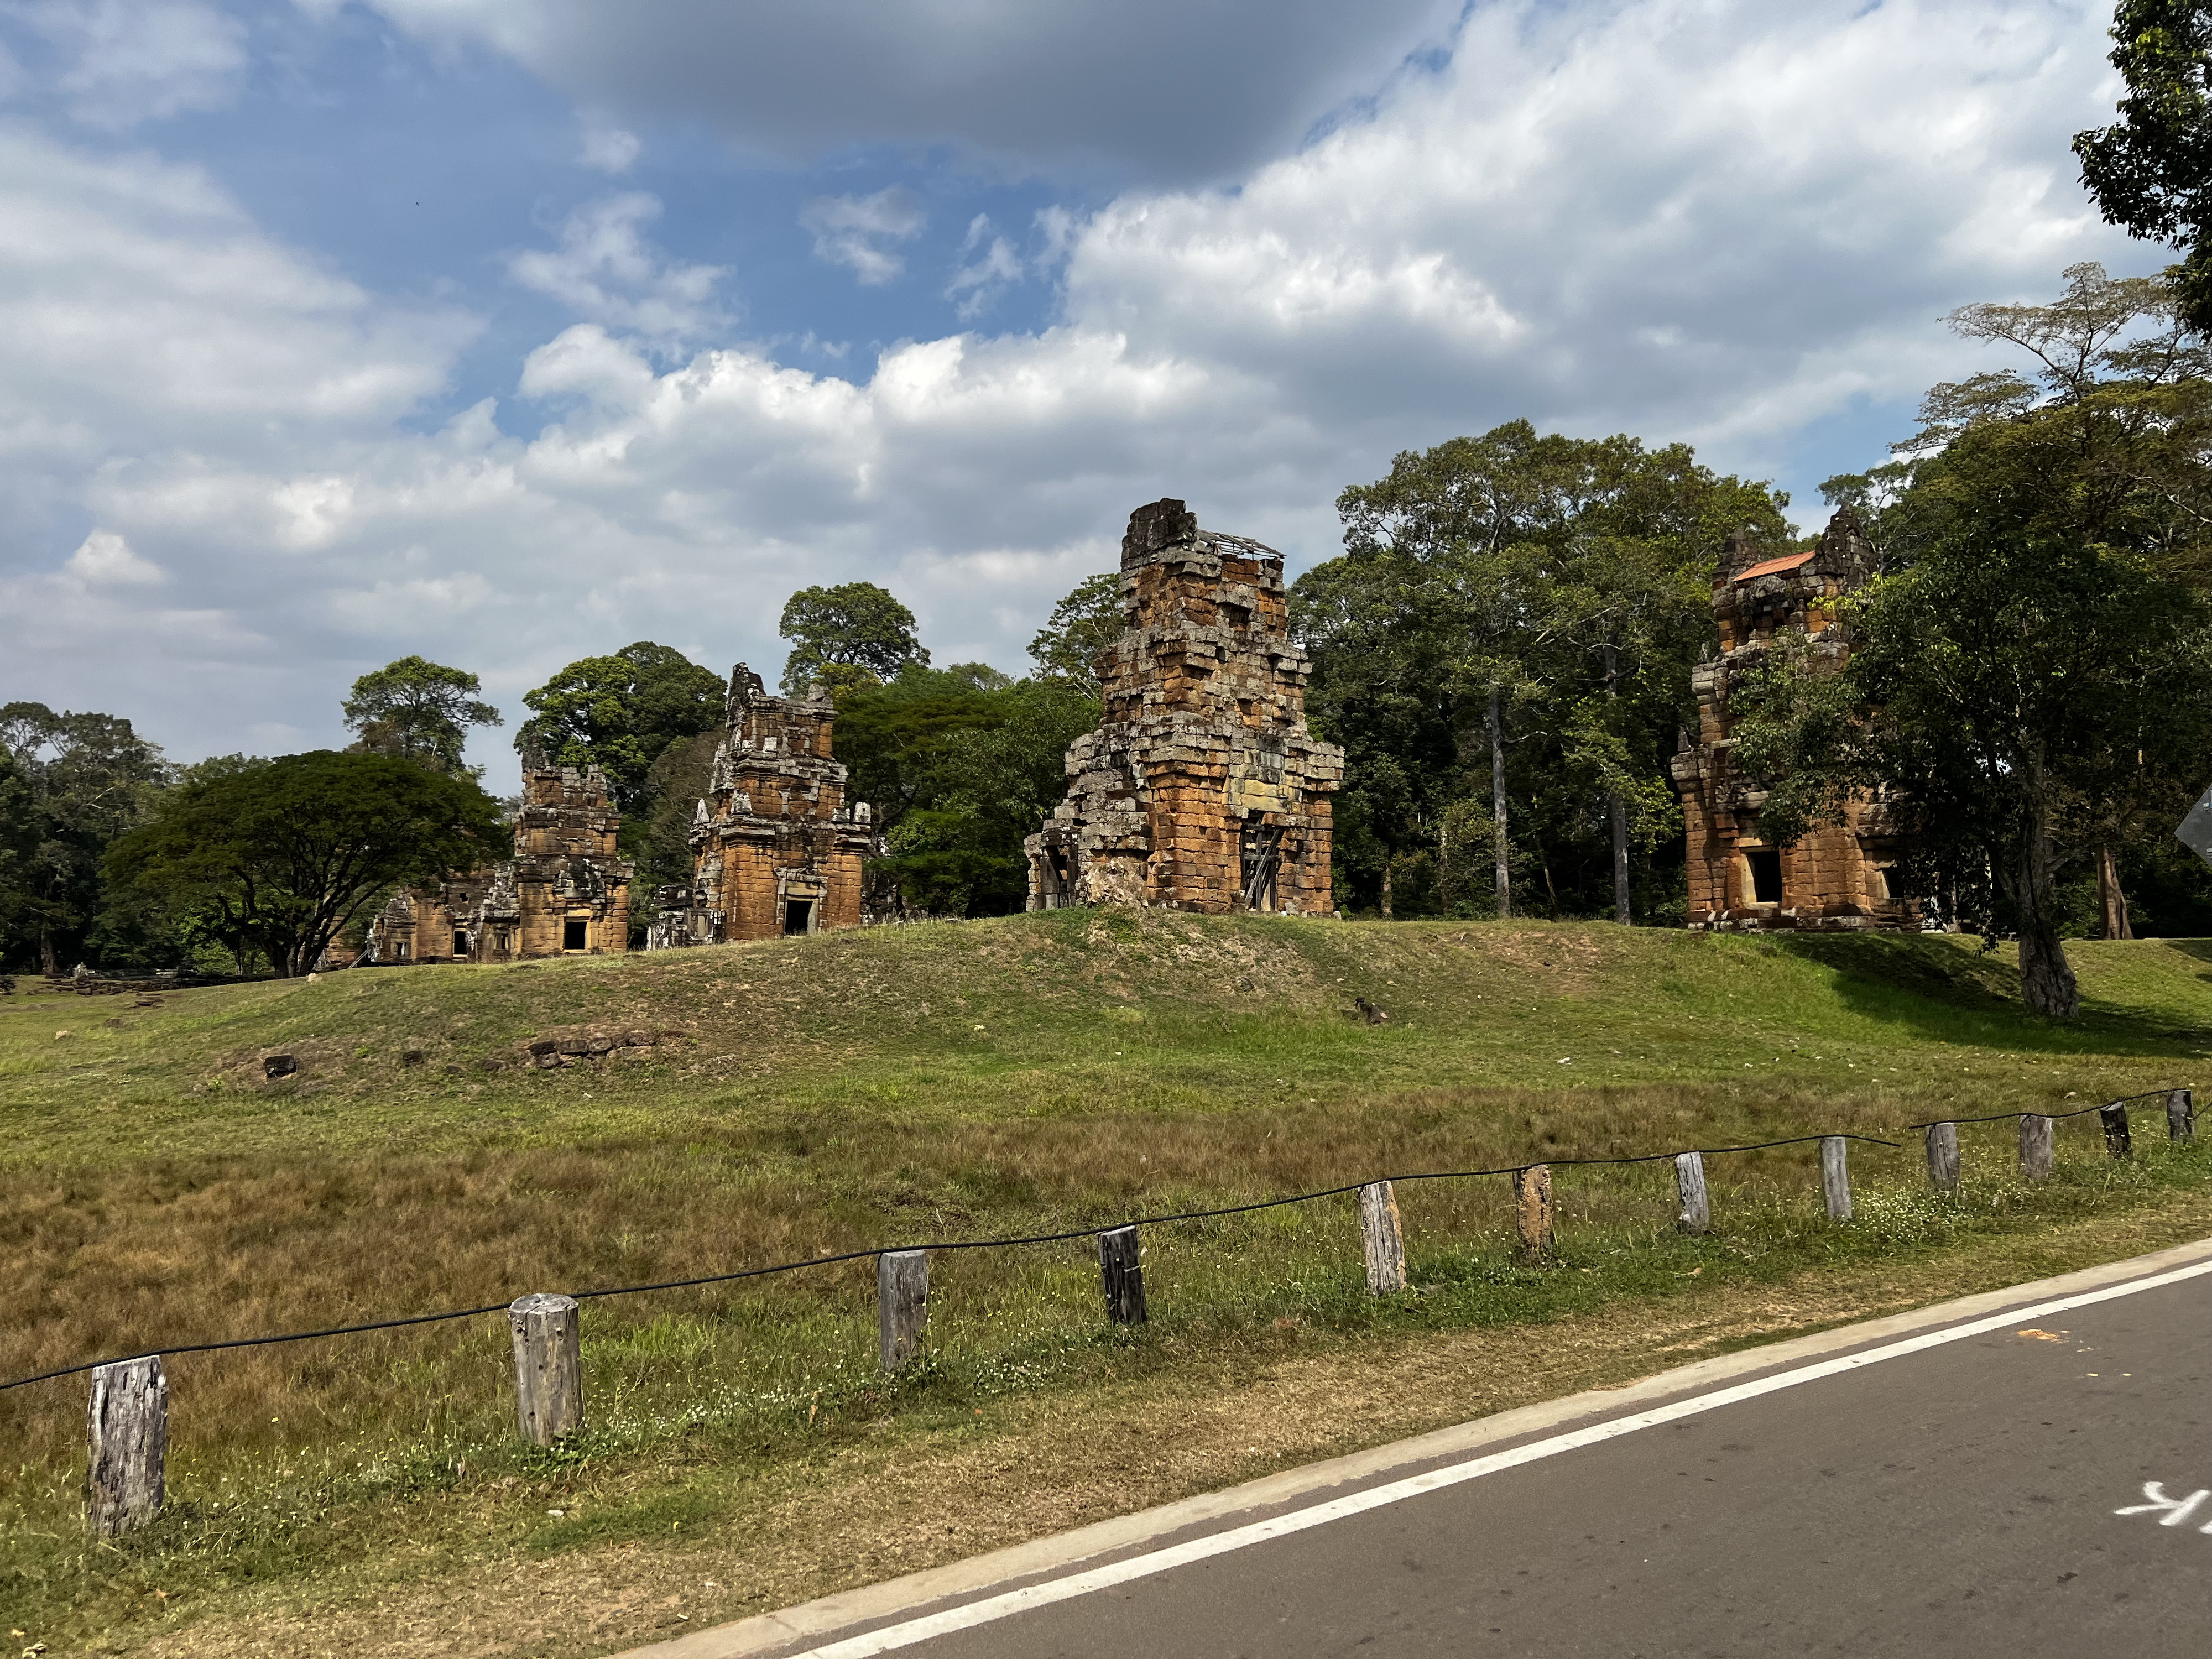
(566, 892)
(1202, 789)
(775, 849)
(1837, 876)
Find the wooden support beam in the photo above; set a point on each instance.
(2035, 1150)
(1943, 1156)
(1694, 1210)
(902, 1305)
(1532, 1210)
(2117, 1142)
(549, 1366)
(1121, 1275)
(129, 1425)
(2180, 1114)
(1836, 1177)
(1383, 1239)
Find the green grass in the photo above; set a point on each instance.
(1031, 1075)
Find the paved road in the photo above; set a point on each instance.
(1950, 1502)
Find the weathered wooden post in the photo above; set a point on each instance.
(1836, 1177)
(1943, 1156)
(1532, 1209)
(2035, 1156)
(549, 1366)
(902, 1305)
(1383, 1238)
(1695, 1214)
(1121, 1272)
(129, 1422)
(2180, 1114)
(2117, 1142)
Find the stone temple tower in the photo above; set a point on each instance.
(1838, 877)
(1202, 789)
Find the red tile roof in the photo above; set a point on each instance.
(1774, 567)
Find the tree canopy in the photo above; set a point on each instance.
(70, 784)
(419, 709)
(846, 636)
(1082, 625)
(2151, 170)
(2030, 679)
(621, 713)
(276, 857)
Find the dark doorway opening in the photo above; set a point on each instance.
(572, 933)
(796, 913)
(460, 942)
(1261, 856)
(1766, 875)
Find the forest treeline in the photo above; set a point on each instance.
(1504, 648)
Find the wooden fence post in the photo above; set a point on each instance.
(2117, 1142)
(1121, 1273)
(1695, 1213)
(1532, 1209)
(1383, 1238)
(902, 1305)
(549, 1367)
(1943, 1156)
(129, 1422)
(2035, 1159)
(2180, 1114)
(1836, 1177)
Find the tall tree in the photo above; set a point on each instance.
(2151, 170)
(73, 782)
(620, 712)
(855, 633)
(2032, 674)
(418, 709)
(1081, 626)
(281, 856)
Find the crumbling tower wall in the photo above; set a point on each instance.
(1201, 790)
(1838, 877)
(775, 848)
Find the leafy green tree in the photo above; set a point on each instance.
(419, 709)
(853, 634)
(2030, 681)
(1503, 650)
(621, 713)
(960, 765)
(1082, 625)
(2151, 170)
(71, 784)
(279, 856)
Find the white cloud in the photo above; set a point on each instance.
(138, 60)
(105, 559)
(854, 230)
(611, 150)
(605, 270)
(979, 281)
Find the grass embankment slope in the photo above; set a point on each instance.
(1040, 1073)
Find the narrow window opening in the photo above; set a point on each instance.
(572, 933)
(796, 914)
(1766, 875)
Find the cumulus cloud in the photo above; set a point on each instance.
(129, 61)
(610, 150)
(979, 281)
(859, 231)
(105, 559)
(1167, 90)
(605, 270)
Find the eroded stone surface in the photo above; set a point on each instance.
(1201, 790)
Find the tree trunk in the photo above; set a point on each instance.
(1498, 804)
(2112, 902)
(1616, 808)
(1386, 884)
(47, 964)
(2046, 980)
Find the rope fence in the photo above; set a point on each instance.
(129, 1410)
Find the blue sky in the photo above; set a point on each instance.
(510, 331)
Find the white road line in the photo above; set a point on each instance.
(992, 1609)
